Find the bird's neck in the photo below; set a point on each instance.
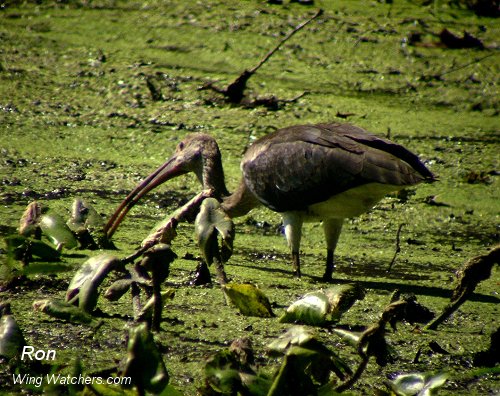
(240, 202)
(212, 176)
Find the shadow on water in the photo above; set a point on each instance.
(384, 284)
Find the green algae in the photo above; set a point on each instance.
(76, 119)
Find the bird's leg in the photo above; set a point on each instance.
(332, 229)
(292, 222)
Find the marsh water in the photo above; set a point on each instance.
(77, 120)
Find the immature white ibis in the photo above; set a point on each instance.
(323, 172)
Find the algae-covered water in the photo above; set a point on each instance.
(77, 120)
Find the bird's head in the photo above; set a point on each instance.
(197, 153)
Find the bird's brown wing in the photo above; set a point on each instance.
(295, 167)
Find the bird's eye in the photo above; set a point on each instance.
(180, 146)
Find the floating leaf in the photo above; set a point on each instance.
(83, 289)
(144, 363)
(417, 384)
(54, 227)
(62, 310)
(323, 307)
(248, 299)
(211, 222)
(11, 337)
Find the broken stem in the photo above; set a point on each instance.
(474, 271)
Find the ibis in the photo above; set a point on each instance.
(323, 172)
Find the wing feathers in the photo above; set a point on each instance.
(295, 167)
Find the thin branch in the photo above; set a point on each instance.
(398, 247)
(318, 13)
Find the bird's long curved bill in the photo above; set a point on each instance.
(169, 170)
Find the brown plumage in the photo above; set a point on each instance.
(323, 172)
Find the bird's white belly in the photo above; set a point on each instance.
(350, 203)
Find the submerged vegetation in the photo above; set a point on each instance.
(94, 95)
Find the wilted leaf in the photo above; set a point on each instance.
(83, 288)
(323, 307)
(157, 259)
(342, 297)
(29, 223)
(11, 337)
(62, 310)
(211, 222)
(144, 363)
(54, 227)
(248, 299)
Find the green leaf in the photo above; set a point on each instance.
(83, 216)
(54, 227)
(83, 288)
(295, 336)
(257, 385)
(298, 339)
(62, 310)
(211, 222)
(11, 337)
(144, 363)
(19, 246)
(118, 289)
(248, 299)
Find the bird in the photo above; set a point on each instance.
(308, 173)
